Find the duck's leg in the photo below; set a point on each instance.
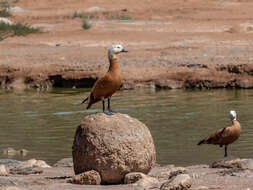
(110, 112)
(103, 102)
(226, 154)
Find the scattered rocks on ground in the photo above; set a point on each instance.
(180, 182)
(113, 145)
(87, 178)
(26, 171)
(4, 170)
(65, 162)
(139, 177)
(167, 172)
(233, 163)
(10, 162)
(31, 166)
(148, 182)
(11, 188)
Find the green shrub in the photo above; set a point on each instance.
(16, 29)
(4, 4)
(86, 25)
(83, 15)
(125, 17)
(4, 13)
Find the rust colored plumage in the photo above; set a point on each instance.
(224, 136)
(106, 86)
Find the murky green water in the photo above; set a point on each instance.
(44, 122)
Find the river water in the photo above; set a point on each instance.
(44, 122)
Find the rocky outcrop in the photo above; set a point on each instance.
(113, 146)
(87, 178)
(233, 163)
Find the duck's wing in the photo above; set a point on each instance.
(220, 136)
(102, 87)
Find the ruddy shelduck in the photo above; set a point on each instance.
(226, 135)
(106, 86)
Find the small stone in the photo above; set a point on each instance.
(65, 162)
(180, 182)
(91, 177)
(34, 163)
(133, 177)
(6, 21)
(4, 170)
(95, 9)
(140, 178)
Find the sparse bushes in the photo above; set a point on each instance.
(4, 5)
(18, 29)
(103, 15)
(4, 13)
(125, 17)
(83, 15)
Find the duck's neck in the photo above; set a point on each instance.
(234, 122)
(114, 66)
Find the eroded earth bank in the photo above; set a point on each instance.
(172, 44)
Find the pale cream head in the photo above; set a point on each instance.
(114, 50)
(232, 115)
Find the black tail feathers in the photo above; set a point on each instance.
(201, 142)
(86, 99)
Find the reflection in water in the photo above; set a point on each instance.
(44, 123)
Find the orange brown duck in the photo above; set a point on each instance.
(106, 86)
(226, 135)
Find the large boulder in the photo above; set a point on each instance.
(113, 145)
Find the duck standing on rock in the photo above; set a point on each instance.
(226, 135)
(106, 86)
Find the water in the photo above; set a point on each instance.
(44, 122)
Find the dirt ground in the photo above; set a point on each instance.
(203, 178)
(172, 44)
